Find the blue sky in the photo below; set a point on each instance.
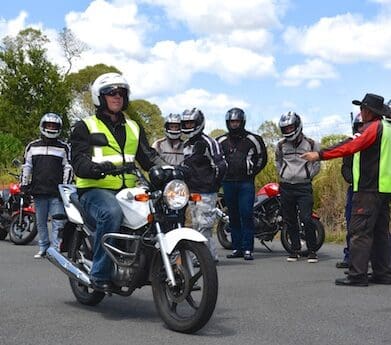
(266, 56)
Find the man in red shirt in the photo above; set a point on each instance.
(369, 224)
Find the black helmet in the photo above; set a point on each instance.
(172, 118)
(196, 117)
(357, 123)
(235, 114)
(290, 125)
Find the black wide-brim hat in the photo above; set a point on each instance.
(374, 103)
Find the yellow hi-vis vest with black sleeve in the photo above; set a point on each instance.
(379, 173)
(106, 153)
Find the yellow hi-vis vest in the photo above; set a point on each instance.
(106, 153)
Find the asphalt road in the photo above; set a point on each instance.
(267, 301)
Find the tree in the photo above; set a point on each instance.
(217, 132)
(30, 85)
(72, 47)
(149, 116)
(270, 133)
(332, 139)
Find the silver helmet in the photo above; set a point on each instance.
(290, 125)
(50, 125)
(196, 118)
(172, 118)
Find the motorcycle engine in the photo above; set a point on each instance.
(267, 219)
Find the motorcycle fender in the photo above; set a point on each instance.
(174, 236)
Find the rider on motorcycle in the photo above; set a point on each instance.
(127, 139)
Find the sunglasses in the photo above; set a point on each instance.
(115, 92)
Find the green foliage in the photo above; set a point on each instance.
(331, 140)
(217, 132)
(270, 133)
(269, 173)
(149, 116)
(81, 81)
(30, 85)
(10, 148)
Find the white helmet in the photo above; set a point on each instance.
(172, 118)
(50, 125)
(106, 83)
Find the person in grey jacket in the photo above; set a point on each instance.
(296, 182)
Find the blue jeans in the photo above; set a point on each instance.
(105, 212)
(239, 198)
(46, 206)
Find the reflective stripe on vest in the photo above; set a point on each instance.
(385, 159)
(106, 153)
(384, 182)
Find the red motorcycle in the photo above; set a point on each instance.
(17, 215)
(267, 221)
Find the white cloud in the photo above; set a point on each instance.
(343, 39)
(109, 27)
(223, 16)
(312, 72)
(213, 105)
(13, 26)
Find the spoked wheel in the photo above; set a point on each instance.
(224, 234)
(24, 231)
(319, 233)
(188, 306)
(83, 293)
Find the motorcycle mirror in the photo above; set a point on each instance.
(16, 162)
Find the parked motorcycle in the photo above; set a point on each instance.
(152, 248)
(17, 215)
(267, 221)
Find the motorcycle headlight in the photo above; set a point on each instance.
(176, 194)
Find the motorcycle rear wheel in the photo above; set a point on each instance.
(320, 237)
(224, 234)
(189, 305)
(24, 233)
(83, 293)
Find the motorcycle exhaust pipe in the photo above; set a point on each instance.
(67, 267)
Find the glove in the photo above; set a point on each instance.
(98, 170)
(199, 148)
(130, 167)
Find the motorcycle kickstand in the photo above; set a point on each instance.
(266, 246)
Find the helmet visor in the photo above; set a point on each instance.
(52, 126)
(114, 90)
(288, 129)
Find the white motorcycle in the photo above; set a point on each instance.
(152, 248)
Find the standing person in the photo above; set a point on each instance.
(204, 166)
(369, 223)
(346, 171)
(170, 148)
(246, 156)
(46, 165)
(296, 176)
(110, 95)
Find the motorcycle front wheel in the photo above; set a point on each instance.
(319, 233)
(78, 250)
(189, 305)
(25, 231)
(224, 234)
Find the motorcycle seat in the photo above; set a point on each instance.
(88, 221)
